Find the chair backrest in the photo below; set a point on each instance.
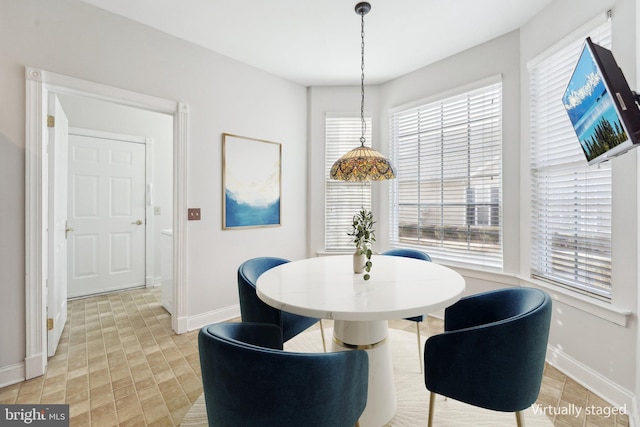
(246, 384)
(494, 306)
(494, 349)
(408, 253)
(252, 308)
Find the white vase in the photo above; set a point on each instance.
(359, 261)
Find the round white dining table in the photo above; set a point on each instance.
(327, 288)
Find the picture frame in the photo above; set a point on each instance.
(251, 182)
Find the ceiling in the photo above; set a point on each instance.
(318, 43)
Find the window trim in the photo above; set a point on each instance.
(579, 292)
(369, 143)
(604, 310)
(579, 32)
(458, 90)
(453, 92)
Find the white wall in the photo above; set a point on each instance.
(70, 37)
(593, 348)
(73, 38)
(597, 352)
(94, 114)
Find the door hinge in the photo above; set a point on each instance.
(51, 121)
(49, 324)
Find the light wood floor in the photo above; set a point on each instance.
(120, 364)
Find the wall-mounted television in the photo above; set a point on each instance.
(601, 106)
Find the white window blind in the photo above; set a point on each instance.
(447, 199)
(571, 202)
(343, 199)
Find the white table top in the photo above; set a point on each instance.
(327, 288)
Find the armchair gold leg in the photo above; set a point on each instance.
(324, 344)
(419, 346)
(432, 402)
(520, 418)
(358, 423)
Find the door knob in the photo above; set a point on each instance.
(66, 231)
(138, 222)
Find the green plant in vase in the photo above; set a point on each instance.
(363, 236)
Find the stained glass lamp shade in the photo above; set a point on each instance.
(362, 164)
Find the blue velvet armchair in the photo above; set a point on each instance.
(412, 253)
(253, 309)
(250, 381)
(492, 351)
(408, 253)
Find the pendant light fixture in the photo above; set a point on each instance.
(362, 163)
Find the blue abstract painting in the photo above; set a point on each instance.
(251, 181)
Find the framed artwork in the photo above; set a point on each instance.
(251, 174)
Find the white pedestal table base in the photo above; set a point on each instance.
(371, 336)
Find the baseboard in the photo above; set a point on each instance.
(11, 374)
(152, 282)
(634, 418)
(36, 365)
(617, 396)
(181, 324)
(216, 316)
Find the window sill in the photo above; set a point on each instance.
(602, 309)
(330, 253)
(595, 307)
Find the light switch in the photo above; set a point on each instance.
(193, 214)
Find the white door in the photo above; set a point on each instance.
(107, 215)
(57, 275)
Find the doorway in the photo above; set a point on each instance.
(39, 84)
(106, 213)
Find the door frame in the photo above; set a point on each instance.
(58, 207)
(38, 84)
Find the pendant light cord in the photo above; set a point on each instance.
(362, 164)
(364, 124)
(362, 121)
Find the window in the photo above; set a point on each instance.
(570, 201)
(343, 199)
(447, 198)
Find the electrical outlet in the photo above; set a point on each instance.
(193, 214)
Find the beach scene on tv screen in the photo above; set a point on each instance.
(591, 109)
